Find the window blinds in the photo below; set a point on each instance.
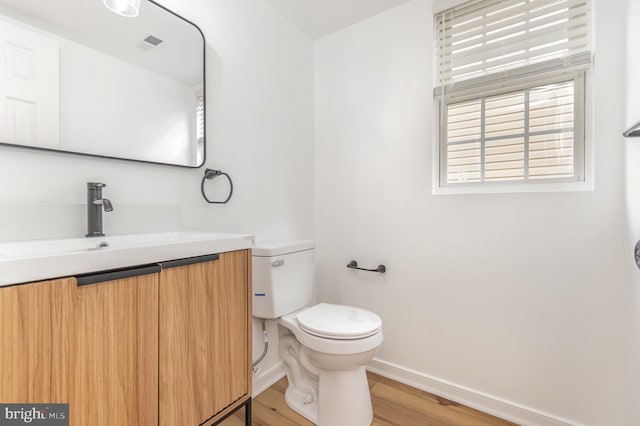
(200, 119)
(482, 41)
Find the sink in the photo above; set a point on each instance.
(24, 261)
(51, 247)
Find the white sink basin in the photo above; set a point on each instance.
(24, 261)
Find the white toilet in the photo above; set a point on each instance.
(324, 347)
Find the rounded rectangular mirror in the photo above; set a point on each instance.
(78, 78)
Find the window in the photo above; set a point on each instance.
(200, 127)
(511, 92)
(200, 118)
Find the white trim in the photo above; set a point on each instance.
(514, 188)
(266, 379)
(589, 126)
(499, 407)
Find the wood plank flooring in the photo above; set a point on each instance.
(393, 404)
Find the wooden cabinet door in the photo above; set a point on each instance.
(94, 347)
(36, 331)
(204, 338)
(116, 366)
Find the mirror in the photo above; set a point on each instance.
(78, 78)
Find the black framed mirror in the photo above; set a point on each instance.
(95, 83)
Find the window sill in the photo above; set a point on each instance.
(510, 188)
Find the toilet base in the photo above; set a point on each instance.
(344, 398)
(298, 402)
(324, 397)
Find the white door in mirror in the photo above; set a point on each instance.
(29, 87)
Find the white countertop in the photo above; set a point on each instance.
(37, 260)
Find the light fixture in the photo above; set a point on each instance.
(128, 8)
(633, 132)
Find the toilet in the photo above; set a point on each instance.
(324, 347)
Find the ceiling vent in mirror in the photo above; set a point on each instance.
(151, 41)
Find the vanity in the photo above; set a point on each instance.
(139, 330)
(148, 329)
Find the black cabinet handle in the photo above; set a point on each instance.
(189, 261)
(116, 274)
(136, 271)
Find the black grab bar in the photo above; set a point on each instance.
(354, 265)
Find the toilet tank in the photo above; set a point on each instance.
(282, 277)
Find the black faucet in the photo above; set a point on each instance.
(95, 204)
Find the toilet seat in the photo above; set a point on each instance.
(338, 322)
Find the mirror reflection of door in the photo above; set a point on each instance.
(29, 92)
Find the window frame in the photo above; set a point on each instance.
(583, 108)
(578, 78)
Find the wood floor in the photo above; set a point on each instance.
(393, 404)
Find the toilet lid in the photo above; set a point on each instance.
(339, 321)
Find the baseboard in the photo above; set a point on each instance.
(267, 378)
(499, 407)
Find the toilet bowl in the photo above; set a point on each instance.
(324, 347)
(327, 379)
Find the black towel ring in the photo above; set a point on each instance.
(212, 174)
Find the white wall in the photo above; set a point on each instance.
(516, 297)
(632, 163)
(148, 115)
(260, 124)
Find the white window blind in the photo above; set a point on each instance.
(200, 119)
(491, 37)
